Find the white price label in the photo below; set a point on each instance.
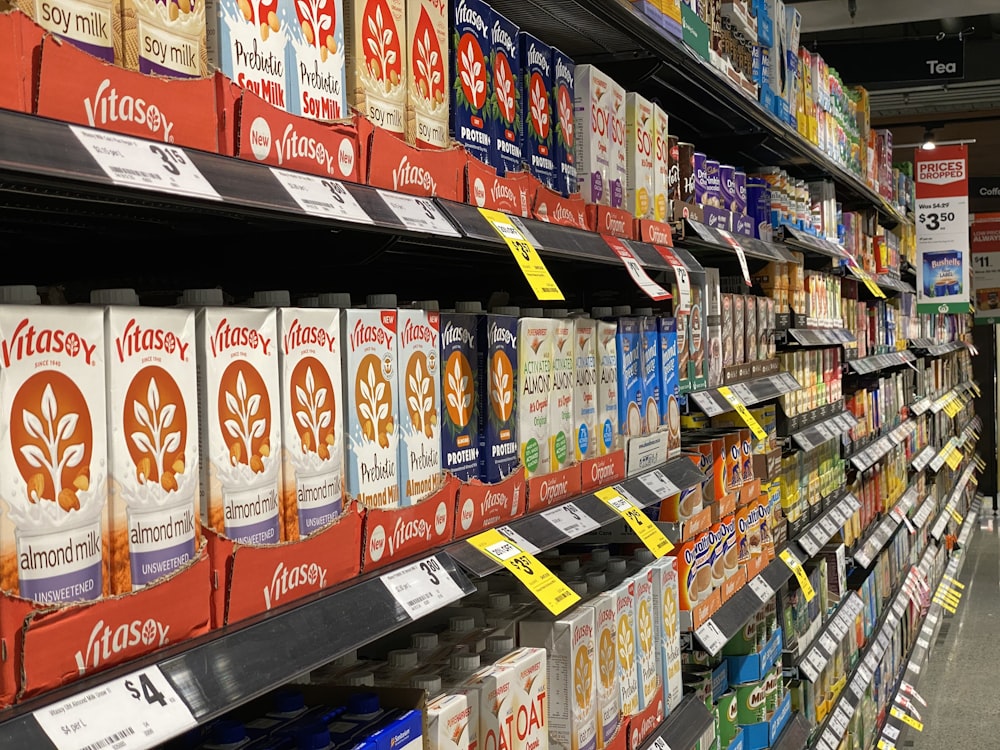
(144, 164)
(707, 403)
(138, 710)
(711, 637)
(865, 674)
(839, 629)
(503, 550)
(839, 721)
(817, 659)
(825, 431)
(422, 587)
(570, 520)
(805, 442)
(321, 197)
(740, 254)
(418, 214)
(660, 744)
(828, 643)
(923, 643)
(809, 545)
(763, 590)
(742, 390)
(642, 279)
(809, 671)
(891, 731)
(828, 526)
(657, 483)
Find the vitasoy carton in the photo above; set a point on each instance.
(93, 27)
(667, 629)
(640, 129)
(376, 61)
(428, 85)
(499, 449)
(563, 103)
(460, 390)
(661, 165)
(370, 403)
(508, 119)
(534, 389)
(645, 646)
(585, 434)
(317, 75)
(593, 139)
(152, 422)
(165, 39)
(470, 119)
(53, 452)
(247, 41)
(609, 701)
(628, 674)
(536, 95)
(420, 394)
(561, 395)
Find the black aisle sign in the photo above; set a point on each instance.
(924, 60)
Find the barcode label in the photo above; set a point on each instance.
(136, 174)
(110, 740)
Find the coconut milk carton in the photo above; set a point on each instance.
(317, 69)
(630, 402)
(152, 422)
(640, 130)
(471, 93)
(606, 656)
(419, 391)
(460, 388)
(585, 433)
(428, 87)
(561, 407)
(498, 362)
(628, 672)
(593, 138)
(371, 407)
(507, 92)
(649, 363)
(563, 102)
(534, 388)
(661, 165)
(377, 60)
(247, 41)
(667, 629)
(619, 145)
(165, 39)
(536, 95)
(53, 453)
(312, 417)
(608, 435)
(531, 700)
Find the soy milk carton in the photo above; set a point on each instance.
(152, 422)
(247, 42)
(536, 95)
(628, 673)
(531, 700)
(593, 138)
(371, 402)
(509, 119)
(585, 434)
(239, 418)
(53, 451)
(667, 644)
(419, 391)
(629, 341)
(428, 85)
(645, 642)
(561, 406)
(312, 417)
(606, 656)
(470, 96)
(563, 102)
(460, 389)
(617, 115)
(167, 38)
(498, 362)
(640, 130)
(661, 165)
(317, 69)
(534, 388)
(376, 61)
(93, 27)
(608, 436)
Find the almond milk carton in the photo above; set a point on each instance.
(165, 38)
(152, 422)
(312, 417)
(593, 139)
(531, 706)
(239, 418)
(371, 402)
(661, 165)
(493, 690)
(619, 146)
(609, 699)
(585, 434)
(376, 61)
(317, 75)
(534, 389)
(561, 395)
(419, 390)
(247, 40)
(448, 719)
(667, 629)
(645, 629)
(640, 129)
(631, 408)
(428, 84)
(608, 435)
(53, 450)
(628, 674)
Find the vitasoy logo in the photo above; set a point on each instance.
(107, 641)
(292, 149)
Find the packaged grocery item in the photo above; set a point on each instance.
(377, 62)
(561, 406)
(629, 351)
(493, 690)
(563, 102)
(585, 434)
(697, 370)
(499, 452)
(593, 144)
(448, 718)
(165, 39)
(608, 435)
(460, 389)
(670, 409)
(531, 706)
(509, 120)
(471, 124)
(628, 670)
(317, 76)
(618, 145)
(609, 697)
(667, 643)
(645, 628)
(640, 130)
(248, 44)
(428, 73)
(536, 97)
(650, 371)
(418, 384)
(694, 572)
(534, 388)
(661, 165)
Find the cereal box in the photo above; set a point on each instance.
(247, 41)
(645, 628)
(640, 129)
(561, 407)
(508, 120)
(376, 61)
(470, 90)
(428, 87)
(584, 433)
(497, 360)
(564, 97)
(419, 390)
(608, 434)
(606, 654)
(536, 94)
(619, 146)
(534, 388)
(661, 165)
(629, 338)
(593, 139)
(460, 386)
(165, 39)
(317, 74)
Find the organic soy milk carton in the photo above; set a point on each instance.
(625, 630)
(53, 450)
(166, 38)
(239, 417)
(371, 394)
(606, 656)
(534, 388)
(312, 417)
(667, 629)
(376, 61)
(531, 700)
(629, 340)
(561, 407)
(471, 124)
(536, 96)
(608, 435)
(460, 388)
(508, 121)
(618, 176)
(317, 72)
(649, 364)
(418, 383)
(428, 84)
(593, 138)
(563, 102)
(585, 434)
(645, 642)
(501, 405)
(640, 130)
(247, 41)
(152, 422)
(661, 165)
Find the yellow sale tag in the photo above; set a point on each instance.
(949, 596)
(885, 745)
(540, 581)
(647, 531)
(945, 605)
(954, 513)
(907, 719)
(953, 407)
(975, 387)
(866, 277)
(534, 270)
(796, 567)
(954, 459)
(953, 581)
(744, 412)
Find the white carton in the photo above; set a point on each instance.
(152, 421)
(534, 386)
(492, 688)
(531, 708)
(247, 41)
(628, 673)
(640, 128)
(54, 453)
(420, 393)
(370, 406)
(593, 142)
(312, 421)
(561, 404)
(619, 145)
(661, 164)
(609, 701)
(448, 718)
(667, 634)
(608, 438)
(645, 642)
(428, 95)
(376, 61)
(317, 71)
(585, 434)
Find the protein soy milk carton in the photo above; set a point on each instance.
(609, 700)
(498, 365)
(471, 124)
(536, 95)
(667, 632)
(593, 139)
(53, 450)
(419, 375)
(617, 116)
(371, 402)
(561, 433)
(317, 69)
(165, 38)
(312, 418)
(531, 701)
(661, 165)
(640, 129)
(608, 436)
(376, 61)
(563, 103)
(239, 417)
(247, 41)
(585, 433)
(460, 389)
(152, 422)
(645, 642)
(506, 91)
(625, 631)
(428, 85)
(534, 389)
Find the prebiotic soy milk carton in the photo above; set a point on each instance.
(608, 435)
(317, 73)
(645, 642)
(609, 700)
(239, 417)
(428, 87)
(661, 165)
(585, 433)
(534, 388)
(376, 61)
(498, 365)
(561, 407)
(371, 402)
(247, 41)
(593, 138)
(152, 422)
(640, 129)
(419, 392)
(53, 450)
(617, 116)
(531, 700)
(460, 389)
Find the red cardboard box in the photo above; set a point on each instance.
(642, 724)
(552, 489)
(602, 471)
(482, 506)
(395, 165)
(654, 232)
(514, 193)
(20, 54)
(614, 221)
(551, 207)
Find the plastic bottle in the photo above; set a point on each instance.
(314, 737)
(227, 735)
(596, 582)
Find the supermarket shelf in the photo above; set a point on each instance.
(939, 350)
(821, 336)
(894, 284)
(710, 241)
(921, 405)
(749, 392)
(878, 362)
(818, 652)
(873, 543)
(817, 434)
(825, 527)
(874, 450)
(794, 736)
(922, 459)
(235, 665)
(573, 519)
(683, 727)
(951, 506)
(802, 420)
(808, 243)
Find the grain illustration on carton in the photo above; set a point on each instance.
(53, 458)
(506, 97)
(628, 674)
(152, 443)
(165, 38)
(645, 627)
(499, 452)
(448, 723)
(585, 434)
(531, 708)
(493, 690)
(534, 357)
(606, 657)
(317, 68)
(247, 41)
(471, 86)
(668, 644)
(376, 62)
(419, 389)
(536, 92)
(561, 395)
(427, 99)
(563, 102)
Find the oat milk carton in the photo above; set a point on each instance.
(667, 629)
(561, 405)
(499, 447)
(640, 130)
(645, 642)
(152, 422)
(471, 124)
(460, 388)
(619, 145)
(563, 102)
(94, 27)
(428, 87)
(371, 402)
(609, 701)
(53, 450)
(493, 689)
(536, 94)
(628, 672)
(608, 436)
(312, 417)
(585, 433)
(317, 73)
(661, 165)
(630, 413)
(508, 119)
(572, 691)
(534, 388)
(239, 418)
(376, 61)
(531, 702)
(247, 41)
(418, 383)
(448, 719)
(166, 39)
(593, 143)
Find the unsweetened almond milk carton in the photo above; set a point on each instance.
(420, 396)
(53, 450)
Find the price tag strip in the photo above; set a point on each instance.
(658, 483)
(763, 590)
(906, 719)
(570, 520)
(555, 595)
(422, 587)
(139, 710)
(418, 214)
(744, 413)
(642, 279)
(519, 540)
(793, 563)
(711, 637)
(647, 531)
(531, 265)
(321, 197)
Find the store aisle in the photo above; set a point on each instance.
(960, 681)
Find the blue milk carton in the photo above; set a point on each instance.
(497, 364)
(629, 346)
(649, 363)
(506, 99)
(471, 86)
(670, 391)
(563, 97)
(538, 134)
(460, 391)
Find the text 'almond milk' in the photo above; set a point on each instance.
(427, 96)
(534, 387)
(609, 701)
(531, 707)
(376, 61)
(239, 416)
(585, 434)
(561, 440)
(312, 418)
(152, 442)
(608, 436)
(420, 394)
(247, 41)
(317, 67)
(370, 403)
(53, 459)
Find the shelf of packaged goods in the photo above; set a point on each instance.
(820, 336)
(868, 549)
(951, 506)
(877, 448)
(805, 242)
(815, 435)
(571, 520)
(750, 392)
(879, 362)
(931, 349)
(814, 656)
(717, 242)
(794, 736)
(804, 419)
(893, 284)
(956, 445)
(228, 667)
(683, 728)
(922, 460)
(825, 526)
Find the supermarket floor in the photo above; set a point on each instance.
(960, 681)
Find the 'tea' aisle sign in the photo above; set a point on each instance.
(942, 179)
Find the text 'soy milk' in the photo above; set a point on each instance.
(536, 97)
(498, 363)
(166, 39)
(427, 96)
(645, 626)
(640, 129)
(628, 672)
(460, 389)
(593, 136)
(93, 27)
(649, 366)
(563, 103)
(376, 61)
(608, 436)
(153, 457)
(667, 634)
(508, 120)
(317, 68)
(53, 453)
(619, 145)
(531, 702)
(609, 700)
(630, 412)
(247, 41)
(371, 404)
(585, 434)
(661, 165)
(471, 93)
(420, 401)
(534, 389)
(561, 434)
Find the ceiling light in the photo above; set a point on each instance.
(928, 144)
